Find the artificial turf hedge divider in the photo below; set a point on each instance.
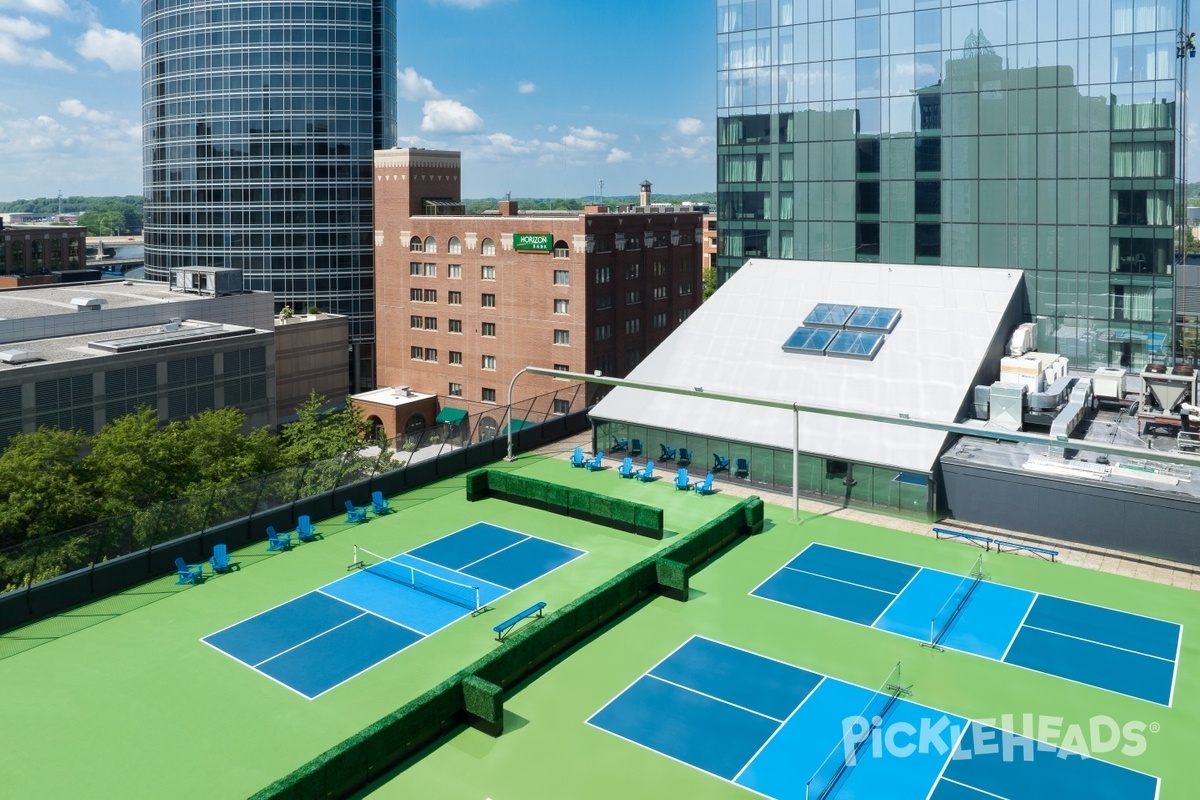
(615, 512)
(475, 696)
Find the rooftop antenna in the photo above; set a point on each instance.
(601, 182)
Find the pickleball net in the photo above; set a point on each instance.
(940, 624)
(460, 594)
(845, 754)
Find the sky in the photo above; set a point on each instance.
(545, 98)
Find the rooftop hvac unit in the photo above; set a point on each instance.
(1024, 339)
(88, 303)
(19, 357)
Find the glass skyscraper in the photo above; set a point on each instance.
(260, 119)
(1044, 135)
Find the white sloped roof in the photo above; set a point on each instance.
(733, 344)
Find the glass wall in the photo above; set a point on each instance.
(260, 122)
(872, 487)
(1004, 134)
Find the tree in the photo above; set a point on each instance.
(318, 434)
(1190, 243)
(42, 485)
(131, 464)
(109, 217)
(210, 450)
(710, 281)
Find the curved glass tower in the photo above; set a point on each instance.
(259, 123)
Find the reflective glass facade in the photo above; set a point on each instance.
(260, 120)
(1039, 135)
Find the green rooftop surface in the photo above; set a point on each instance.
(121, 698)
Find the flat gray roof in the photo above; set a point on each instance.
(28, 302)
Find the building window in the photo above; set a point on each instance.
(562, 368)
(487, 329)
(487, 300)
(633, 298)
(415, 295)
(455, 390)
(415, 245)
(431, 323)
(927, 240)
(562, 306)
(685, 266)
(660, 320)
(415, 321)
(488, 247)
(562, 406)
(632, 271)
(633, 357)
(685, 289)
(430, 354)
(867, 197)
(416, 353)
(868, 239)
(561, 250)
(488, 362)
(414, 268)
(562, 337)
(684, 313)
(456, 326)
(604, 332)
(633, 325)
(456, 357)
(562, 277)
(430, 270)
(455, 246)
(487, 273)
(488, 395)
(431, 295)
(603, 274)
(928, 154)
(430, 244)
(604, 363)
(454, 298)
(454, 270)
(660, 268)
(603, 301)
(660, 292)
(927, 197)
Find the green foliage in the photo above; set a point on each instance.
(672, 578)
(73, 204)
(710, 281)
(42, 485)
(320, 433)
(110, 217)
(1190, 243)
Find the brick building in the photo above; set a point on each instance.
(29, 255)
(464, 302)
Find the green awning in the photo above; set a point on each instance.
(517, 424)
(451, 415)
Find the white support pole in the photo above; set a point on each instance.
(511, 384)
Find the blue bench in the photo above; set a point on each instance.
(504, 627)
(1045, 552)
(974, 538)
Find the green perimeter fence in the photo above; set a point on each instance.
(52, 573)
(475, 696)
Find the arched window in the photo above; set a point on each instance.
(488, 248)
(488, 429)
(455, 245)
(415, 424)
(378, 433)
(561, 250)
(430, 245)
(415, 245)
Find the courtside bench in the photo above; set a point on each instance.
(505, 627)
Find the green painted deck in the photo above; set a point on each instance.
(121, 698)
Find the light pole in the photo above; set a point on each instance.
(511, 384)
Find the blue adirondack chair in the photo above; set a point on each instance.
(742, 468)
(577, 458)
(354, 513)
(305, 530)
(380, 504)
(595, 463)
(685, 457)
(720, 463)
(188, 573)
(683, 480)
(646, 473)
(220, 559)
(668, 453)
(635, 447)
(705, 486)
(619, 444)
(278, 541)
(626, 468)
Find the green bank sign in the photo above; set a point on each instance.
(533, 242)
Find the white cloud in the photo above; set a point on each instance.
(76, 108)
(56, 8)
(617, 155)
(121, 51)
(12, 50)
(526, 87)
(415, 87)
(588, 139)
(689, 126)
(449, 115)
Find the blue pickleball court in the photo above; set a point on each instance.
(324, 638)
(1125, 653)
(782, 731)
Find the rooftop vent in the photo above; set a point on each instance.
(174, 324)
(88, 303)
(403, 391)
(18, 357)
